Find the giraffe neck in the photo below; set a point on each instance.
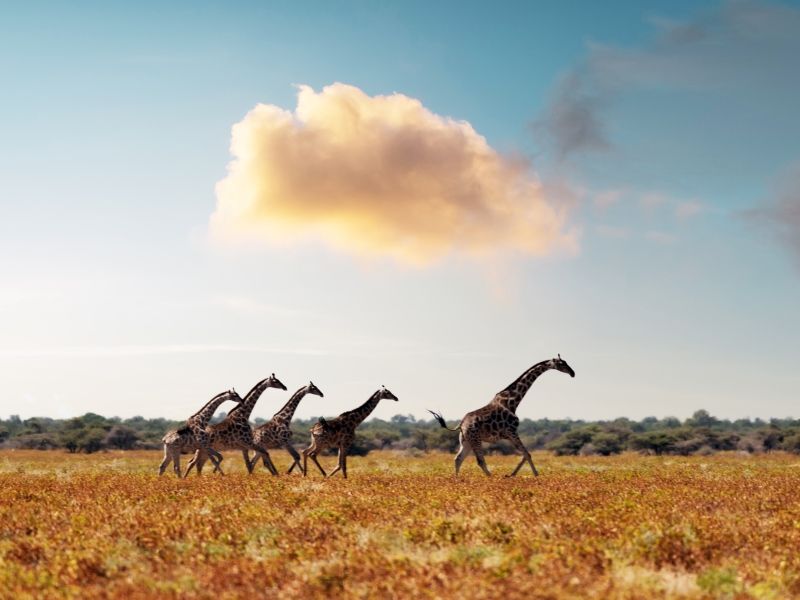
(203, 416)
(515, 392)
(285, 414)
(248, 404)
(357, 415)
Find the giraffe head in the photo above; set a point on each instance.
(234, 396)
(384, 394)
(273, 381)
(312, 389)
(560, 364)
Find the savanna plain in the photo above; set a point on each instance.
(628, 526)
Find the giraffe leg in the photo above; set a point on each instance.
(295, 456)
(267, 459)
(259, 456)
(216, 460)
(176, 463)
(319, 466)
(526, 456)
(343, 459)
(192, 463)
(250, 465)
(478, 450)
(167, 459)
(201, 461)
(463, 452)
(339, 465)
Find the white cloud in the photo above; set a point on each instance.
(381, 175)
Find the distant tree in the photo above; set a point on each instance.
(701, 418)
(70, 440)
(670, 423)
(792, 443)
(402, 419)
(649, 423)
(607, 443)
(36, 441)
(33, 425)
(771, 438)
(689, 446)
(91, 440)
(121, 437)
(655, 442)
(571, 442)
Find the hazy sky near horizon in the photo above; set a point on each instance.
(432, 198)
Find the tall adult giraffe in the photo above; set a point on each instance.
(498, 419)
(234, 432)
(194, 434)
(277, 432)
(340, 432)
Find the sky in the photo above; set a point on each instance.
(427, 197)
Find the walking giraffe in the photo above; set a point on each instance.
(194, 434)
(498, 419)
(234, 432)
(340, 432)
(277, 433)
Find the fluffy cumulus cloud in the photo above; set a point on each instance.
(380, 175)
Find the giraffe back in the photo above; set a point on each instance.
(273, 434)
(489, 423)
(231, 434)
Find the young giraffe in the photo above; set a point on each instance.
(498, 419)
(340, 432)
(235, 433)
(194, 434)
(276, 433)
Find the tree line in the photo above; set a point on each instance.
(699, 434)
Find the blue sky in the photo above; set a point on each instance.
(677, 182)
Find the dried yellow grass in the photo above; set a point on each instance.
(105, 525)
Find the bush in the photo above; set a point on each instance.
(121, 437)
(655, 442)
(571, 442)
(792, 443)
(690, 446)
(607, 443)
(35, 441)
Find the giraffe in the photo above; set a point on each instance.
(498, 419)
(276, 433)
(235, 433)
(340, 432)
(193, 435)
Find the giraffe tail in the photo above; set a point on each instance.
(442, 422)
